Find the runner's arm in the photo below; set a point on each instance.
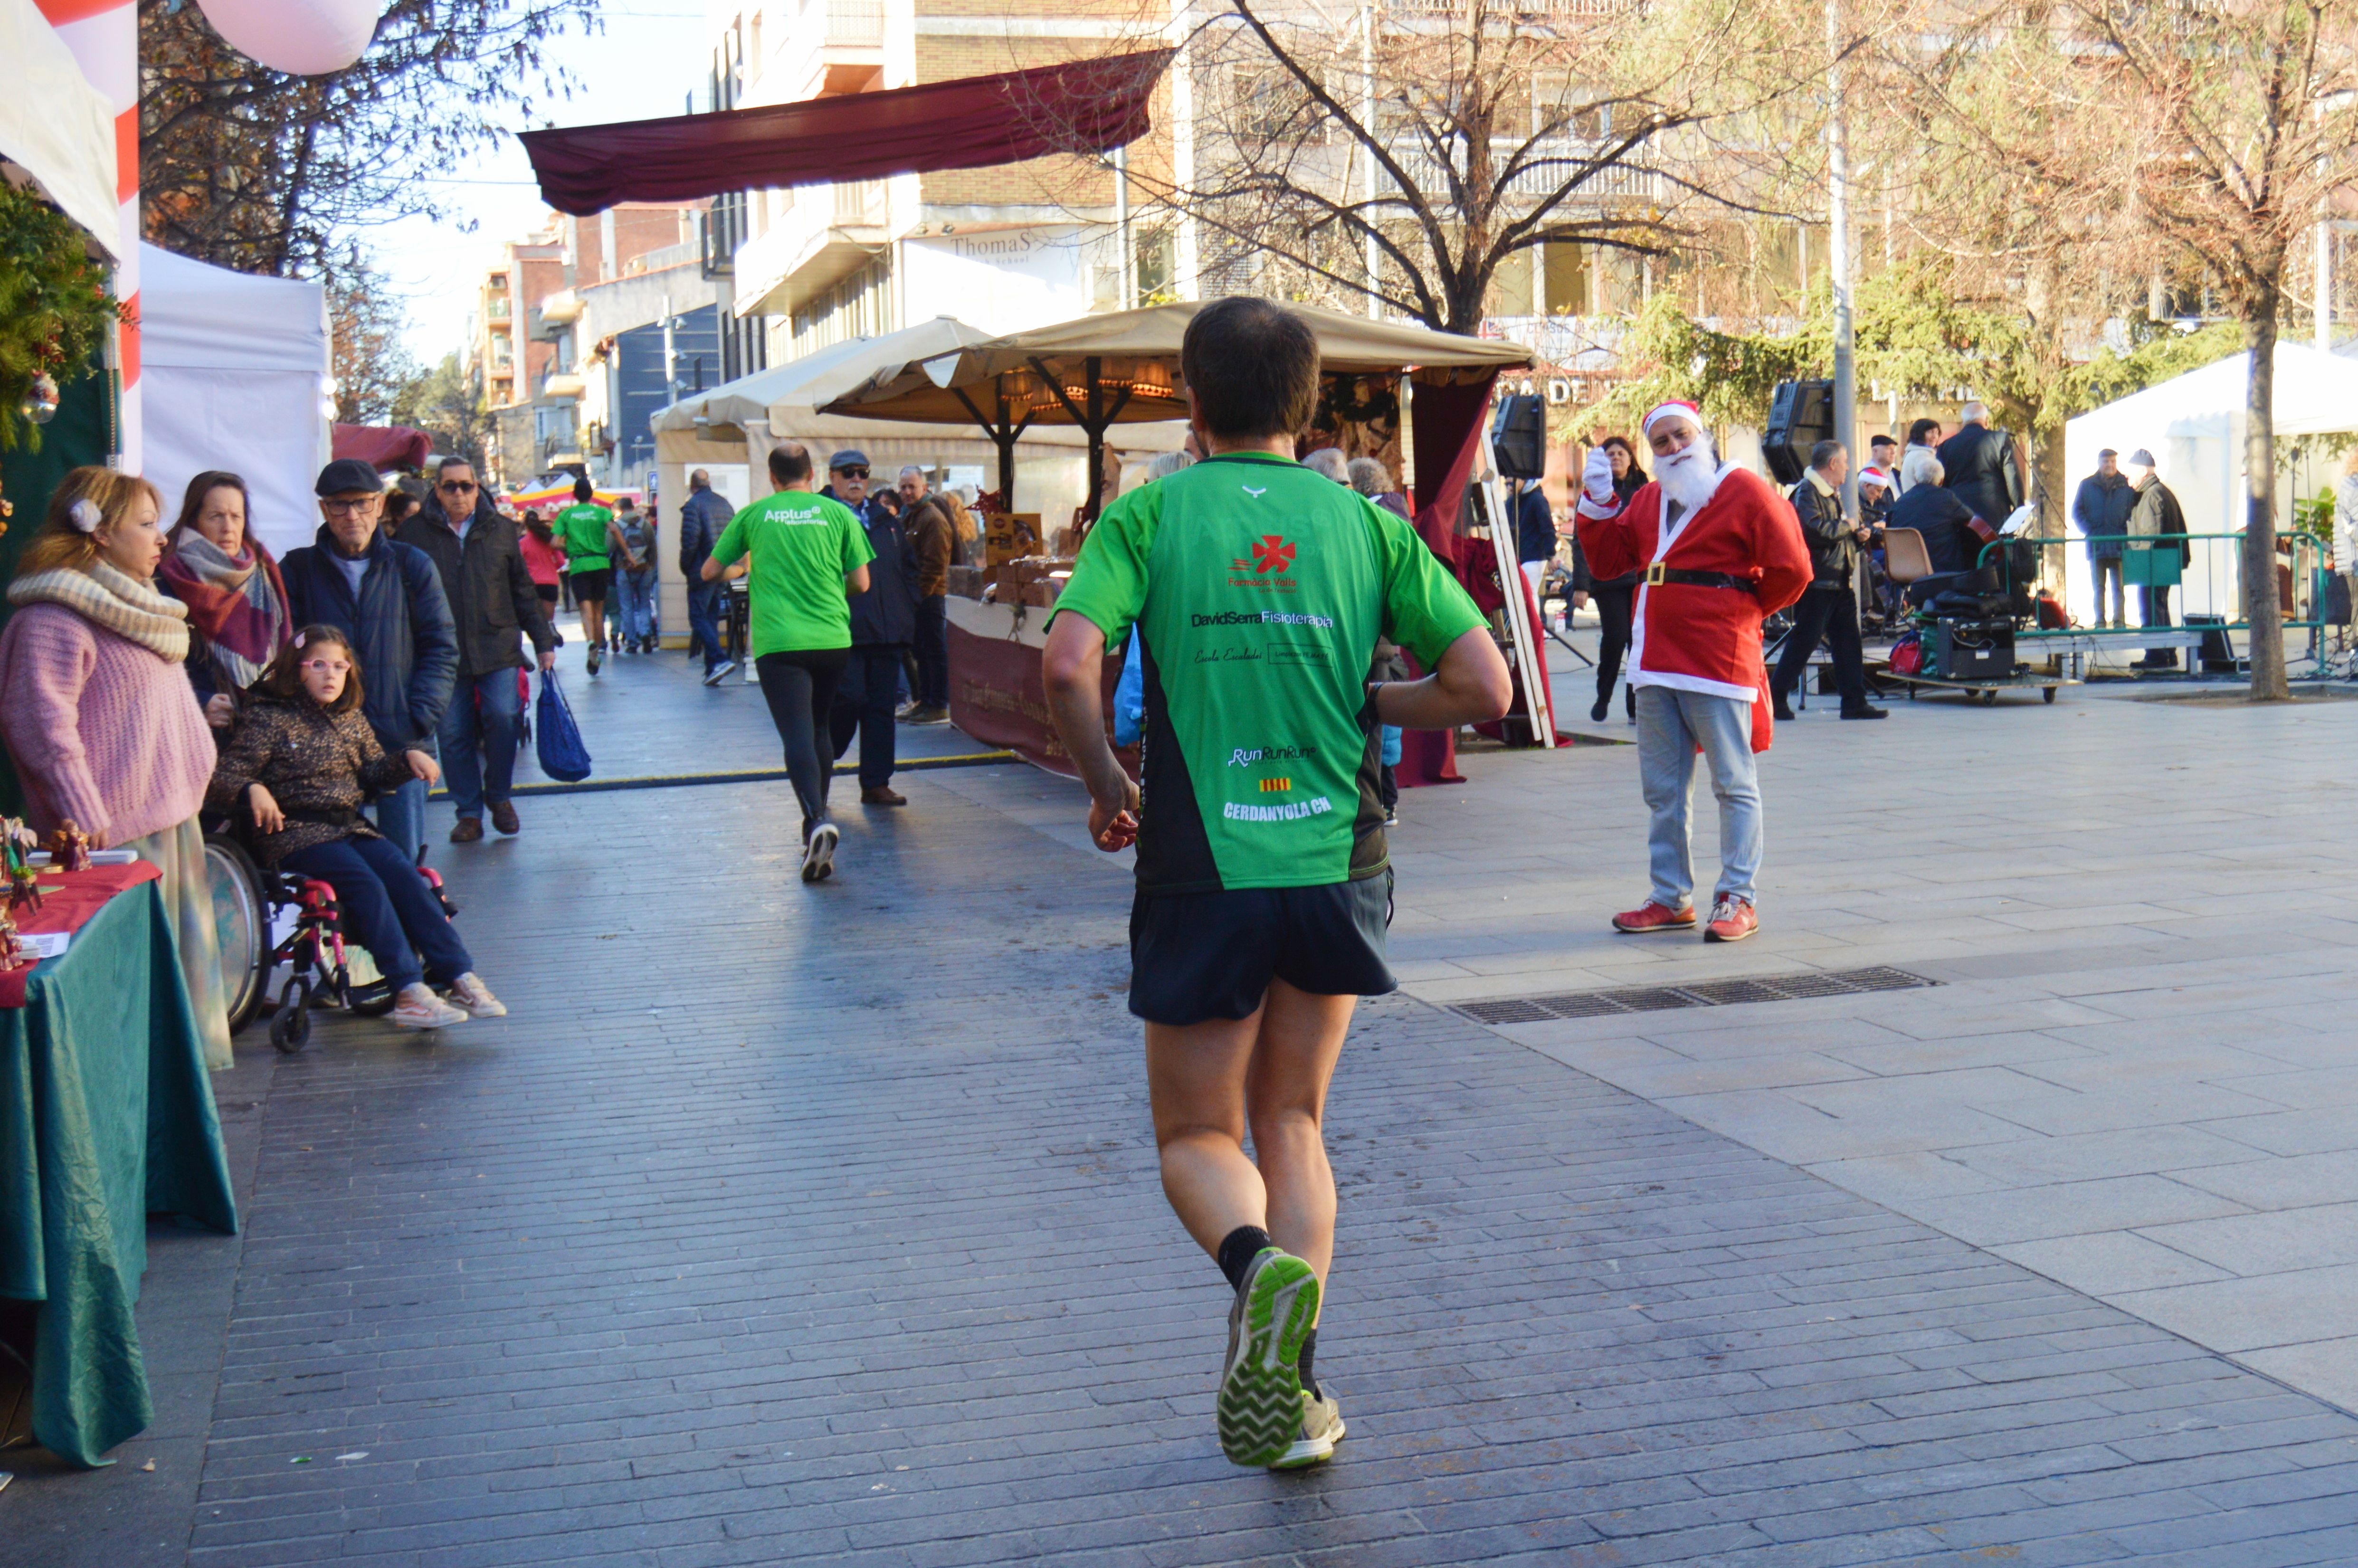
(1072, 667)
(1468, 686)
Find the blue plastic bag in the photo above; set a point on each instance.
(562, 755)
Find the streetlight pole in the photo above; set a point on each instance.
(1838, 255)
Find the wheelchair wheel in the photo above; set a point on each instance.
(290, 1026)
(240, 926)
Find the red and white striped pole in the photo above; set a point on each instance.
(104, 38)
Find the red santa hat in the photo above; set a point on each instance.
(1679, 407)
(1872, 475)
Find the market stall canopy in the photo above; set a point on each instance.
(804, 385)
(384, 447)
(58, 128)
(1138, 367)
(789, 397)
(974, 122)
(236, 371)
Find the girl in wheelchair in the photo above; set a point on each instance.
(297, 766)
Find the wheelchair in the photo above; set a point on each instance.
(250, 904)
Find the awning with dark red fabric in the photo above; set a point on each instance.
(384, 447)
(974, 122)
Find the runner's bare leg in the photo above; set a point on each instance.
(1209, 1082)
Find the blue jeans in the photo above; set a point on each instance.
(474, 773)
(704, 620)
(388, 908)
(401, 817)
(1670, 725)
(635, 600)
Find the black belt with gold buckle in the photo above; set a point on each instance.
(1657, 574)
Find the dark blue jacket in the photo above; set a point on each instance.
(886, 615)
(2100, 507)
(702, 517)
(400, 626)
(1535, 527)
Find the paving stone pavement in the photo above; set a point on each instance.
(791, 1225)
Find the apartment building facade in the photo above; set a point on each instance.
(554, 312)
(1001, 248)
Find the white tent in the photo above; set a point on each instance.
(235, 368)
(2193, 425)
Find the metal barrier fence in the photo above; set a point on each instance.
(2199, 577)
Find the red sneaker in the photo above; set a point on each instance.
(1654, 917)
(1732, 920)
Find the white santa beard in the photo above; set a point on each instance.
(1689, 477)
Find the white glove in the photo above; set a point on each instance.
(1597, 476)
(1597, 500)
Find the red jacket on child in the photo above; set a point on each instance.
(1688, 635)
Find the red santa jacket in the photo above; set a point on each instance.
(1690, 636)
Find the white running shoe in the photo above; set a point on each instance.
(471, 996)
(420, 1008)
(718, 672)
(818, 854)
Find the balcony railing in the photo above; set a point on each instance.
(497, 309)
(851, 21)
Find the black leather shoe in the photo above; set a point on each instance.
(1597, 714)
(1867, 713)
(1784, 714)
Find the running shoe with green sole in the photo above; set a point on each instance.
(1260, 1382)
(1321, 1429)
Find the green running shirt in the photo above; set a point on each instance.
(802, 544)
(582, 528)
(1260, 587)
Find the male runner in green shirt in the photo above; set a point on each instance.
(1263, 888)
(585, 528)
(810, 552)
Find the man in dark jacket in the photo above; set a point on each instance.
(494, 601)
(386, 598)
(884, 626)
(2157, 514)
(1828, 609)
(1984, 467)
(934, 538)
(2101, 509)
(1535, 537)
(702, 517)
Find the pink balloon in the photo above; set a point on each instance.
(302, 37)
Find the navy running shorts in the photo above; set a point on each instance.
(1195, 957)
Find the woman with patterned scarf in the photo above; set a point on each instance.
(237, 603)
(100, 719)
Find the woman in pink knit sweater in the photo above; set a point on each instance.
(100, 719)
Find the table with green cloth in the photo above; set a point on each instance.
(105, 1115)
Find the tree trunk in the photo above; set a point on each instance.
(2261, 603)
(2051, 487)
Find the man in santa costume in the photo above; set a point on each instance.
(1721, 551)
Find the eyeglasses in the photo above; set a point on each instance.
(456, 486)
(853, 473)
(326, 666)
(351, 507)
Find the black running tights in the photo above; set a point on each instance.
(799, 686)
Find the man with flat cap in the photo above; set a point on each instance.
(883, 627)
(2101, 509)
(388, 597)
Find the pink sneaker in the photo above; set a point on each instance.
(1654, 917)
(1732, 920)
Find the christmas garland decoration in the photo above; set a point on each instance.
(55, 311)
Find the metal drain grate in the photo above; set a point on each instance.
(1703, 993)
